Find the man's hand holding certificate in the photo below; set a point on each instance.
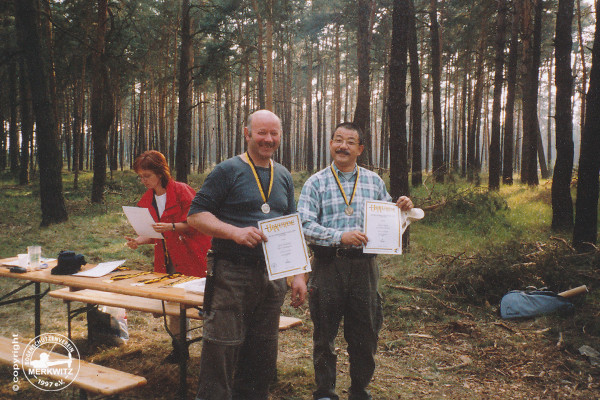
(384, 225)
(285, 251)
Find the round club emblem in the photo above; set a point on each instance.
(51, 362)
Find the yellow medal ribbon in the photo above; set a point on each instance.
(258, 182)
(349, 209)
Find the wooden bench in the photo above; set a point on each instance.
(92, 378)
(136, 303)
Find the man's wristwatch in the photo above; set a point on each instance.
(173, 223)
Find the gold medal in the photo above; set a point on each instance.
(348, 210)
(265, 208)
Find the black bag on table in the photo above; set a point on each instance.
(68, 263)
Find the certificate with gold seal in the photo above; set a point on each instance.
(383, 228)
(286, 253)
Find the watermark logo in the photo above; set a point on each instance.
(50, 362)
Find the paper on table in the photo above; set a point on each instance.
(285, 251)
(193, 286)
(101, 269)
(142, 221)
(16, 263)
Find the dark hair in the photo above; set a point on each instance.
(351, 126)
(156, 162)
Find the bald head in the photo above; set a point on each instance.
(263, 135)
(262, 115)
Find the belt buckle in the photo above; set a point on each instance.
(339, 252)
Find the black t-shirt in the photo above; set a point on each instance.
(231, 194)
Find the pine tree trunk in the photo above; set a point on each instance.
(562, 204)
(472, 135)
(415, 100)
(401, 17)
(102, 105)
(184, 118)
(13, 131)
(511, 82)
(259, 54)
(586, 215)
(26, 123)
(309, 124)
(531, 59)
(495, 165)
(51, 188)
(363, 52)
(436, 72)
(583, 67)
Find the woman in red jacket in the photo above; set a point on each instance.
(183, 248)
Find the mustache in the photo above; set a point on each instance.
(342, 151)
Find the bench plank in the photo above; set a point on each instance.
(143, 304)
(92, 378)
(128, 302)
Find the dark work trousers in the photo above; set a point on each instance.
(239, 346)
(344, 288)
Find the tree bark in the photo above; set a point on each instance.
(401, 16)
(259, 55)
(13, 131)
(184, 118)
(51, 187)
(269, 40)
(495, 165)
(531, 60)
(436, 77)
(586, 215)
(362, 111)
(415, 99)
(509, 111)
(26, 123)
(310, 166)
(562, 204)
(583, 66)
(472, 134)
(102, 105)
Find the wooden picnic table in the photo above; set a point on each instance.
(157, 290)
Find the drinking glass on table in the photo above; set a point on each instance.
(35, 254)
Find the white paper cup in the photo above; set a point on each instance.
(35, 253)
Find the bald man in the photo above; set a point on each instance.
(242, 307)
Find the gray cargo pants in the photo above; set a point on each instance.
(344, 288)
(239, 346)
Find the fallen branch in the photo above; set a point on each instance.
(564, 241)
(420, 335)
(411, 289)
(452, 308)
(560, 342)
(503, 325)
(465, 361)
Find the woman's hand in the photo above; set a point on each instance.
(134, 243)
(162, 227)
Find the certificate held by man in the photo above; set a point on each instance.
(285, 250)
(382, 227)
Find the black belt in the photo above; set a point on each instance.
(339, 252)
(249, 260)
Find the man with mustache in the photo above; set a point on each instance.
(241, 305)
(344, 280)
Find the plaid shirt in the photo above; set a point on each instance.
(321, 205)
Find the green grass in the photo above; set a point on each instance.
(471, 247)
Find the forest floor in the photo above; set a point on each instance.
(442, 337)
